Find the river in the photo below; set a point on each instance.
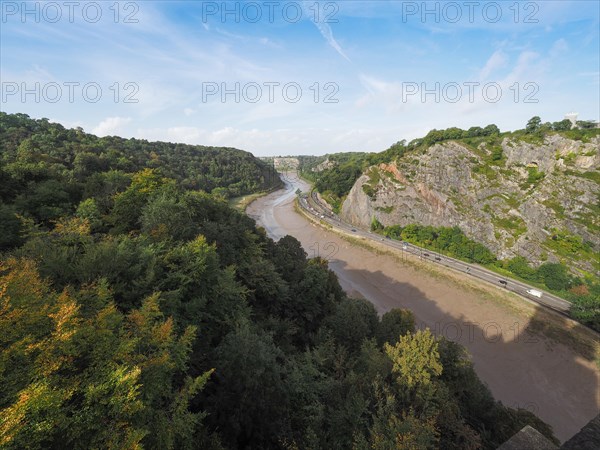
(522, 369)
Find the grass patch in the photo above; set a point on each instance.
(555, 206)
(571, 246)
(487, 171)
(583, 135)
(591, 175)
(513, 224)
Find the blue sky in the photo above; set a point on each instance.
(342, 76)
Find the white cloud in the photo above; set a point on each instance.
(111, 126)
(278, 141)
(393, 95)
(497, 61)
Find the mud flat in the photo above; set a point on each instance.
(522, 367)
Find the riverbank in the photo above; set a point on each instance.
(521, 367)
(543, 321)
(242, 202)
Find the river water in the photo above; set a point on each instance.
(522, 369)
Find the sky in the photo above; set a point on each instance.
(304, 77)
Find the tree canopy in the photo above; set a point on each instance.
(138, 311)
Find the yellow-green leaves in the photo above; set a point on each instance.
(416, 358)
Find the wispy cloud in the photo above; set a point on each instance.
(323, 27)
(497, 61)
(171, 52)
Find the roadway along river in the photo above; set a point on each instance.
(522, 369)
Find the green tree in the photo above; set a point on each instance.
(393, 428)
(75, 372)
(563, 125)
(250, 403)
(586, 309)
(10, 227)
(586, 124)
(395, 323)
(520, 267)
(164, 216)
(88, 210)
(533, 124)
(555, 276)
(416, 358)
(491, 130)
(353, 321)
(129, 204)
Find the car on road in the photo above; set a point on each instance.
(404, 247)
(502, 282)
(354, 229)
(534, 292)
(425, 254)
(437, 258)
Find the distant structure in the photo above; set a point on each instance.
(286, 163)
(528, 439)
(572, 117)
(588, 438)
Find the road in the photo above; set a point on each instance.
(522, 367)
(312, 205)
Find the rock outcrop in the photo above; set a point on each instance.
(526, 200)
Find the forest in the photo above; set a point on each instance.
(47, 170)
(139, 311)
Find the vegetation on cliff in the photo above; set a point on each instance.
(524, 198)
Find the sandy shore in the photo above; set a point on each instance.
(522, 369)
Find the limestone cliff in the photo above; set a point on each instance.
(536, 200)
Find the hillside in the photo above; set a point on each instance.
(46, 170)
(536, 200)
(526, 203)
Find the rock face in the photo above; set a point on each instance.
(528, 201)
(327, 164)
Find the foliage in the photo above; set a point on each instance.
(586, 124)
(416, 359)
(87, 375)
(47, 169)
(442, 239)
(376, 224)
(563, 125)
(139, 311)
(533, 124)
(520, 267)
(534, 175)
(394, 323)
(586, 304)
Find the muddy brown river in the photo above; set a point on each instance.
(522, 369)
